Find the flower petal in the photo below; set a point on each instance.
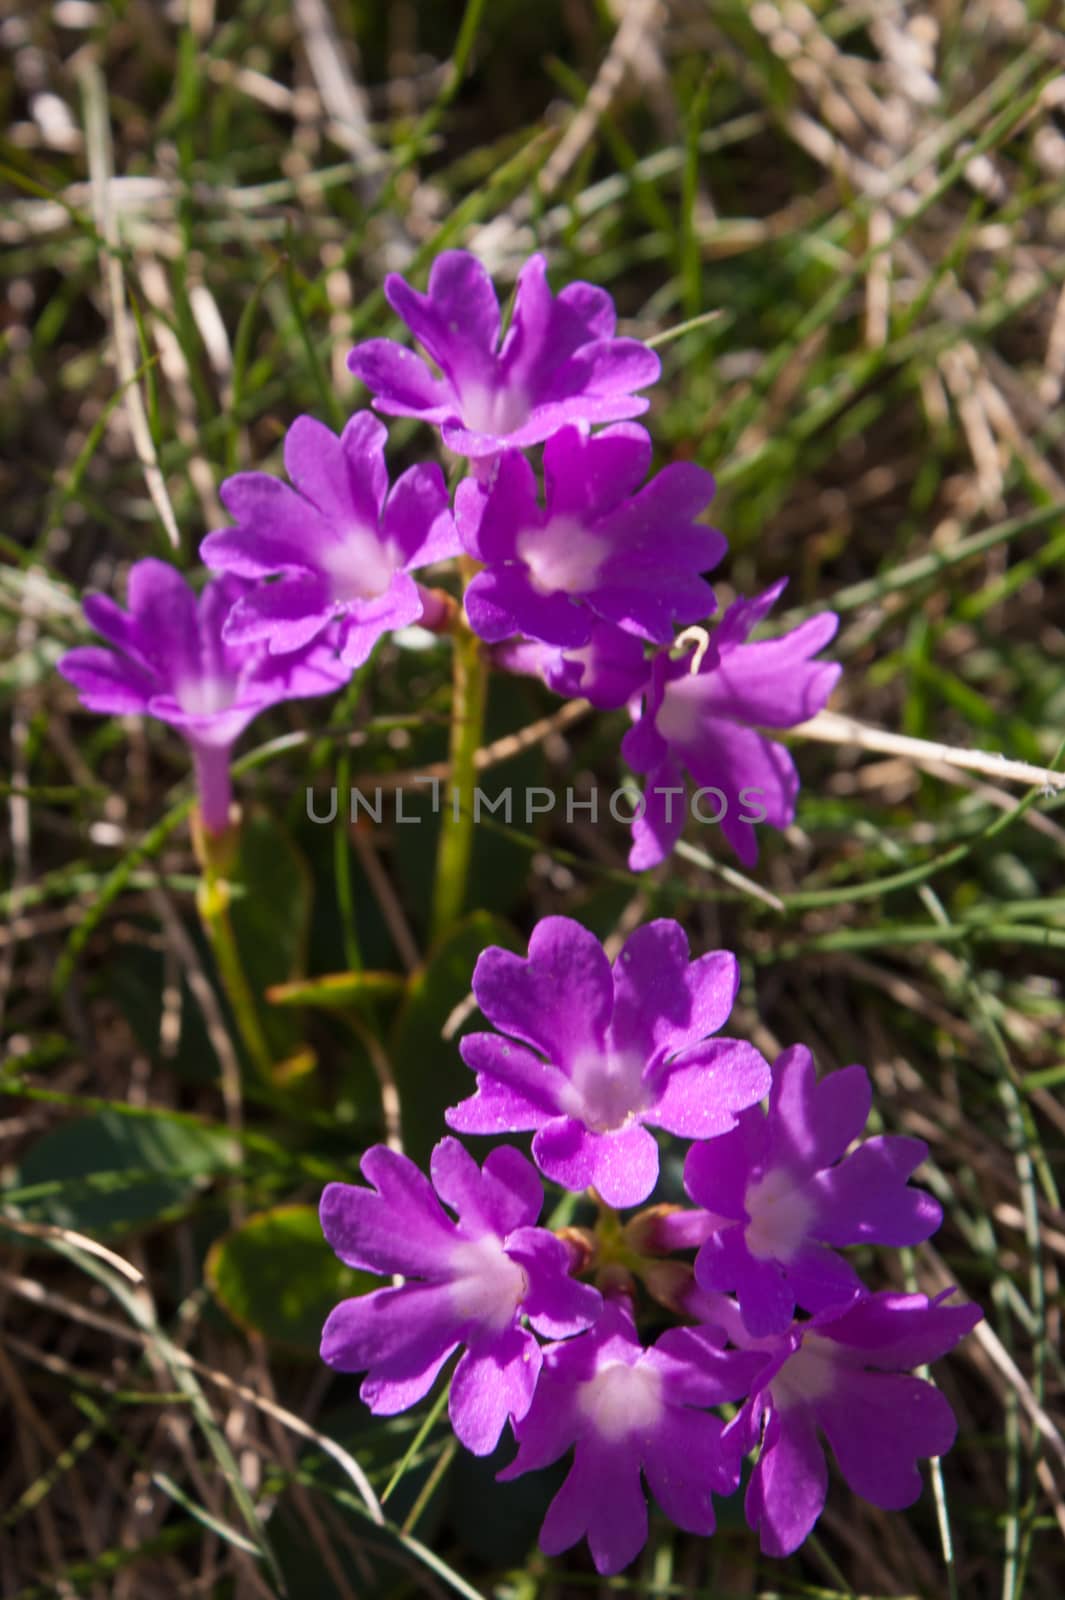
(559, 999)
(879, 1425)
(287, 614)
(587, 475)
(400, 381)
(417, 519)
(786, 1494)
(503, 1195)
(773, 683)
(107, 682)
(403, 1336)
(512, 1084)
(501, 602)
(716, 1174)
(621, 1165)
(604, 368)
(865, 1199)
(657, 829)
(493, 1382)
(457, 322)
(900, 1331)
(345, 478)
(754, 775)
(812, 1122)
(398, 1226)
(701, 1093)
(664, 1001)
(289, 531)
(685, 1465)
(556, 1304)
(603, 1499)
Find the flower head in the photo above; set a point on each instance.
(172, 661)
(703, 720)
(340, 544)
(627, 1410)
(477, 1276)
(559, 362)
(783, 1197)
(846, 1376)
(600, 547)
(609, 671)
(595, 1054)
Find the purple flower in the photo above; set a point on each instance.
(558, 363)
(618, 1048)
(610, 670)
(627, 1411)
(339, 544)
(700, 722)
(601, 547)
(477, 1278)
(783, 1197)
(172, 662)
(846, 1376)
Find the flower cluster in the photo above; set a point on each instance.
(584, 577)
(590, 1056)
(581, 564)
(587, 569)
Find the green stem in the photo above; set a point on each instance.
(212, 901)
(468, 697)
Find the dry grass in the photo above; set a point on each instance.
(845, 222)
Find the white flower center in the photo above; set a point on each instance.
(807, 1375)
(679, 717)
(203, 697)
(780, 1214)
(620, 1400)
(486, 1285)
(492, 411)
(605, 1090)
(563, 558)
(360, 565)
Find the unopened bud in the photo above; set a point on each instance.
(581, 1242)
(668, 1282)
(646, 1233)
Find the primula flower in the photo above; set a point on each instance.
(601, 547)
(619, 1049)
(629, 1410)
(477, 1277)
(171, 661)
(845, 1376)
(339, 544)
(782, 1197)
(700, 720)
(559, 362)
(609, 671)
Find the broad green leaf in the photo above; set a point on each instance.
(277, 1276)
(106, 1173)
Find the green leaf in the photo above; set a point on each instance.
(107, 1173)
(429, 1072)
(336, 990)
(277, 1276)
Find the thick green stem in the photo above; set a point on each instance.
(468, 697)
(212, 902)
